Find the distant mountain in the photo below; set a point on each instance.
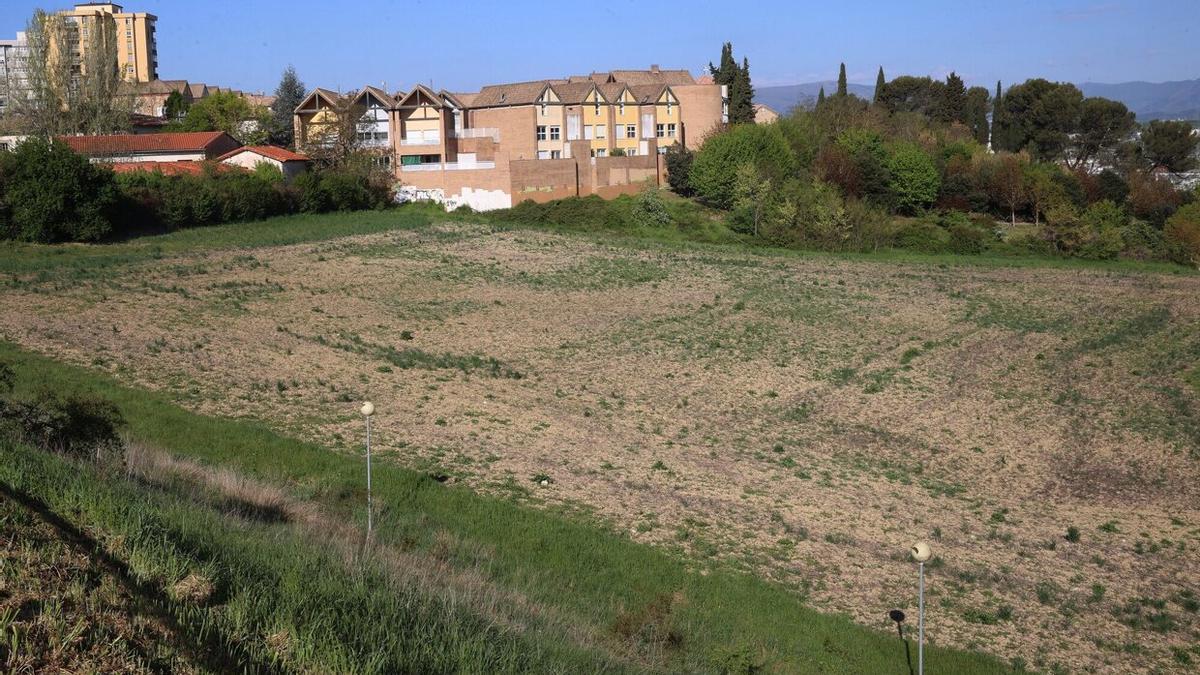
(1150, 100)
(782, 99)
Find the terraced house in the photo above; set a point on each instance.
(601, 133)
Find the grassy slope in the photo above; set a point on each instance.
(598, 578)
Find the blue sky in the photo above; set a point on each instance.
(462, 45)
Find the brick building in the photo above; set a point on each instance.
(601, 133)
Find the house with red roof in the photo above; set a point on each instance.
(192, 146)
(291, 164)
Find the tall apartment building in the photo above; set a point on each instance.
(585, 134)
(12, 69)
(137, 47)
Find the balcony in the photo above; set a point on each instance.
(408, 142)
(479, 132)
(447, 166)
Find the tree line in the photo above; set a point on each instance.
(937, 166)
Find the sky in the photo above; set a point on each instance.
(463, 45)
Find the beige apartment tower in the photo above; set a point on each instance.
(137, 48)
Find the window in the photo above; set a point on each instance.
(381, 135)
(555, 133)
(542, 154)
(601, 152)
(630, 152)
(541, 133)
(660, 130)
(631, 131)
(618, 131)
(601, 131)
(587, 133)
(556, 154)
(670, 131)
(662, 151)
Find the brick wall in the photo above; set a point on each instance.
(699, 111)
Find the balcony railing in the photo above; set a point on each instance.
(420, 141)
(447, 166)
(479, 132)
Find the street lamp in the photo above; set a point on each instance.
(921, 553)
(368, 411)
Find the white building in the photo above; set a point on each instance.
(13, 54)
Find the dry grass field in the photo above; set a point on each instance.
(802, 417)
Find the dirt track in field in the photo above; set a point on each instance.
(803, 418)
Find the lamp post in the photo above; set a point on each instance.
(368, 411)
(921, 553)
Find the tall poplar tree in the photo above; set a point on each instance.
(842, 90)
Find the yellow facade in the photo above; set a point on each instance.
(137, 47)
(550, 125)
(625, 115)
(596, 118)
(667, 127)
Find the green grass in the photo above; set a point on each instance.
(20, 259)
(721, 621)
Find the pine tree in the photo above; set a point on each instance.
(288, 95)
(879, 85)
(842, 90)
(952, 100)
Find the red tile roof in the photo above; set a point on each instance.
(194, 141)
(185, 167)
(270, 151)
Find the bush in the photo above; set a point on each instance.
(79, 425)
(51, 194)
(923, 236)
(913, 180)
(679, 169)
(968, 239)
(1104, 223)
(714, 169)
(1182, 234)
(649, 209)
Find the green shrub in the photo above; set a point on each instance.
(923, 236)
(1182, 234)
(51, 194)
(76, 424)
(713, 172)
(913, 180)
(649, 209)
(679, 169)
(968, 239)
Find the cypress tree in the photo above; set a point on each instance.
(743, 104)
(879, 84)
(288, 95)
(727, 71)
(821, 97)
(997, 117)
(842, 81)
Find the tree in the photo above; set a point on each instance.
(912, 94)
(737, 78)
(821, 96)
(1005, 177)
(842, 89)
(1102, 125)
(228, 112)
(52, 194)
(975, 114)
(1182, 232)
(751, 193)
(952, 101)
(714, 170)
(288, 96)
(175, 107)
(67, 93)
(1042, 190)
(997, 115)
(679, 169)
(913, 179)
(741, 96)
(880, 83)
(1040, 116)
(1170, 145)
